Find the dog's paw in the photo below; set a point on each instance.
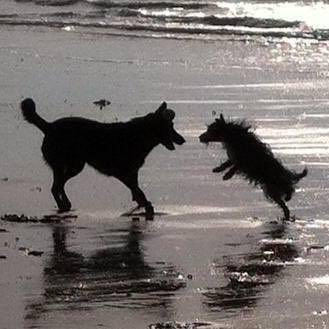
(290, 219)
(216, 170)
(227, 176)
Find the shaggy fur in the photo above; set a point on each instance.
(254, 160)
(114, 149)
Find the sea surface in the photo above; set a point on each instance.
(202, 19)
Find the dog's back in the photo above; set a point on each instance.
(256, 162)
(108, 147)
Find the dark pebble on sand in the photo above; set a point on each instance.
(102, 103)
(37, 189)
(30, 252)
(18, 218)
(26, 219)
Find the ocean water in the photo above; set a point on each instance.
(202, 19)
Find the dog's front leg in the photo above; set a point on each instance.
(131, 181)
(223, 166)
(140, 198)
(230, 173)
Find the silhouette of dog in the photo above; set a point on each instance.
(114, 149)
(254, 160)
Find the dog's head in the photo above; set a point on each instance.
(226, 131)
(166, 132)
(215, 132)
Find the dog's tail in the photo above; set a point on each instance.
(30, 115)
(299, 176)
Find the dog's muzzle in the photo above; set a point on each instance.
(178, 139)
(203, 138)
(174, 138)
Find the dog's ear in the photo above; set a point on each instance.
(168, 115)
(222, 118)
(161, 108)
(165, 113)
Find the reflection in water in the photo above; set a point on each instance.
(250, 274)
(116, 275)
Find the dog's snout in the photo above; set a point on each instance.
(203, 138)
(177, 138)
(180, 140)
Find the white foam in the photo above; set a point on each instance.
(321, 280)
(68, 28)
(297, 261)
(317, 223)
(277, 241)
(313, 14)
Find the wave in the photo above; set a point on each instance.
(126, 4)
(227, 21)
(171, 30)
(168, 19)
(151, 4)
(51, 2)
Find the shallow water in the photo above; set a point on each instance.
(114, 272)
(217, 253)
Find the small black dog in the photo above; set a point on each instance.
(114, 149)
(254, 160)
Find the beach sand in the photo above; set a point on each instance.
(217, 255)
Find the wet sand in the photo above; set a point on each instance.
(217, 255)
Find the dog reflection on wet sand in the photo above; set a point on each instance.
(254, 160)
(114, 149)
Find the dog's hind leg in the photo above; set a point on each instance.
(61, 175)
(223, 166)
(57, 189)
(138, 195)
(230, 173)
(284, 207)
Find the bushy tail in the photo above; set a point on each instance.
(299, 176)
(30, 115)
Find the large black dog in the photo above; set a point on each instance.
(114, 149)
(254, 160)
